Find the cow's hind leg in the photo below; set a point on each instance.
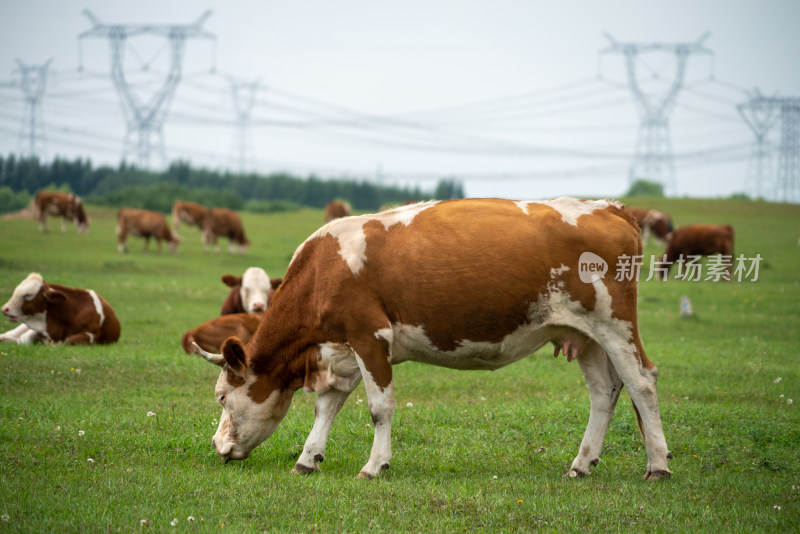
(604, 387)
(639, 375)
(327, 406)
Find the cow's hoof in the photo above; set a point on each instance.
(576, 473)
(658, 474)
(300, 469)
(366, 476)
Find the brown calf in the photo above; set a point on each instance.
(250, 293)
(146, 224)
(210, 335)
(56, 313)
(221, 222)
(65, 205)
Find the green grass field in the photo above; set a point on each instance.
(472, 450)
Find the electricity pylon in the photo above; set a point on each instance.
(244, 99)
(33, 84)
(654, 158)
(760, 115)
(145, 119)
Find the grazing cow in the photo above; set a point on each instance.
(699, 240)
(250, 293)
(146, 224)
(336, 209)
(66, 205)
(465, 284)
(55, 313)
(652, 222)
(189, 213)
(210, 335)
(221, 222)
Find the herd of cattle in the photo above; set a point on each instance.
(364, 293)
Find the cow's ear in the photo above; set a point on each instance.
(233, 352)
(275, 282)
(54, 296)
(231, 281)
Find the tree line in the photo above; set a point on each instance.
(129, 186)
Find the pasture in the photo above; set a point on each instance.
(118, 438)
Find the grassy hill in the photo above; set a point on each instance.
(472, 450)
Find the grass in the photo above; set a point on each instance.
(472, 450)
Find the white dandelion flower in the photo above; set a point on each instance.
(81, 432)
(151, 414)
(174, 522)
(409, 405)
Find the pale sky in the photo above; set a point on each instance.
(504, 95)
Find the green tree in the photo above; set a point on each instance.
(645, 188)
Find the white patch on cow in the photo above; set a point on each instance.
(255, 290)
(381, 406)
(98, 306)
(91, 338)
(555, 272)
(37, 322)
(25, 291)
(523, 205)
(338, 368)
(572, 208)
(350, 232)
(20, 335)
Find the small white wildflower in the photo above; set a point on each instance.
(151, 414)
(81, 432)
(144, 522)
(409, 405)
(78, 371)
(58, 427)
(778, 508)
(90, 460)
(494, 477)
(190, 518)
(5, 518)
(777, 380)
(788, 401)
(174, 522)
(483, 398)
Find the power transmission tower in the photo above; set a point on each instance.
(33, 84)
(244, 99)
(654, 158)
(145, 119)
(760, 115)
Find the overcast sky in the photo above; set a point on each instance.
(512, 97)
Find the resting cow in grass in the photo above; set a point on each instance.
(64, 205)
(211, 334)
(465, 284)
(250, 293)
(56, 313)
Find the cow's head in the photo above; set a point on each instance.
(79, 216)
(254, 288)
(30, 298)
(253, 405)
(174, 241)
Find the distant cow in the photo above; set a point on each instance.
(146, 224)
(65, 205)
(188, 212)
(652, 222)
(464, 284)
(221, 222)
(210, 335)
(698, 240)
(250, 292)
(336, 209)
(56, 313)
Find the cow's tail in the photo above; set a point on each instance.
(186, 342)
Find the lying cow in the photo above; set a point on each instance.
(652, 222)
(146, 224)
(210, 335)
(421, 283)
(188, 213)
(56, 313)
(64, 205)
(699, 240)
(336, 209)
(251, 292)
(221, 222)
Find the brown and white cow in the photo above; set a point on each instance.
(146, 224)
(336, 209)
(55, 313)
(222, 222)
(465, 284)
(65, 205)
(250, 293)
(652, 222)
(189, 213)
(210, 335)
(699, 240)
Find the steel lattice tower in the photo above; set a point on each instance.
(760, 116)
(145, 119)
(654, 158)
(33, 84)
(244, 99)
(762, 112)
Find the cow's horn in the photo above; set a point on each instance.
(216, 359)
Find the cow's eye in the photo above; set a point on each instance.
(221, 398)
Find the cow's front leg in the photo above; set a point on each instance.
(604, 387)
(376, 370)
(327, 406)
(22, 335)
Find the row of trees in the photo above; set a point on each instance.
(130, 186)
